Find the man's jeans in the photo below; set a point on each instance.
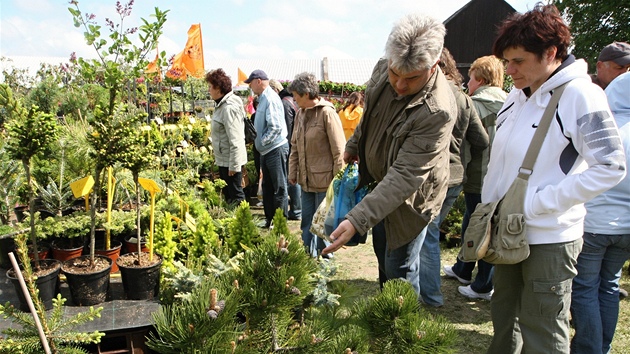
(402, 262)
(430, 253)
(310, 201)
(274, 170)
(483, 281)
(295, 201)
(595, 297)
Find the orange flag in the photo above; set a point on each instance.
(177, 70)
(241, 78)
(153, 67)
(190, 60)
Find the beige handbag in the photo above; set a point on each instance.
(497, 232)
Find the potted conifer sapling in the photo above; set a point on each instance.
(140, 271)
(30, 132)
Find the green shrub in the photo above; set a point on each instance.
(242, 231)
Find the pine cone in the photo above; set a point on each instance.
(219, 306)
(213, 314)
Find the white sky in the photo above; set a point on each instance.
(231, 29)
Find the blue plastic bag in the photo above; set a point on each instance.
(345, 197)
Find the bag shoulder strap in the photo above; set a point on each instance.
(527, 166)
(292, 102)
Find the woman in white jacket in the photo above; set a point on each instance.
(581, 157)
(228, 135)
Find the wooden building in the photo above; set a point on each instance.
(471, 30)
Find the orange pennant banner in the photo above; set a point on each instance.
(241, 78)
(190, 60)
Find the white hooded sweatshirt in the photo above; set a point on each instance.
(581, 157)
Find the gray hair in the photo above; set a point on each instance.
(305, 83)
(415, 43)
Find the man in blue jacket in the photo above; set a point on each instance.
(271, 142)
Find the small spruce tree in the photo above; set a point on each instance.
(205, 239)
(280, 225)
(164, 243)
(30, 133)
(242, 231)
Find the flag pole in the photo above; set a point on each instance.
(203, 64)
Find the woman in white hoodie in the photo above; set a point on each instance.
(581, 157)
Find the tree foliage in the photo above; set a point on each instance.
(595, 24)
(119, 59)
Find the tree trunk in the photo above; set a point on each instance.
(97, 187)
(138, 232)
(31, 208)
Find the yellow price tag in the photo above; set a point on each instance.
(190, 222)
(82, 187)
(149, 185)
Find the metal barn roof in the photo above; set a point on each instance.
(356, 71)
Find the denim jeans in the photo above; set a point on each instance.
(595, 297)
(430, 253)
(483, 281)
(274, 169)
(531, 300)
(310, 201)
(402, 262)
(233, 191)
(295, 201)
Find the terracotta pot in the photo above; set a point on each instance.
(113, 253)
(63, 253)
(43, 251)
(131, 245)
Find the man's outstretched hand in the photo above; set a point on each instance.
(342, 234)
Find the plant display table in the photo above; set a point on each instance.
(118, 313)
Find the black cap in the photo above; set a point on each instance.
(256, 74)
(619, 52)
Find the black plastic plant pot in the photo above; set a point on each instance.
(87, 288)
(141, 283)
(48, 284)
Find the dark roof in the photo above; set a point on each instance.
(471, 30)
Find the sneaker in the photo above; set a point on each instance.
(448, 270)
(264, 224)
(471, 294)
(623, 293)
